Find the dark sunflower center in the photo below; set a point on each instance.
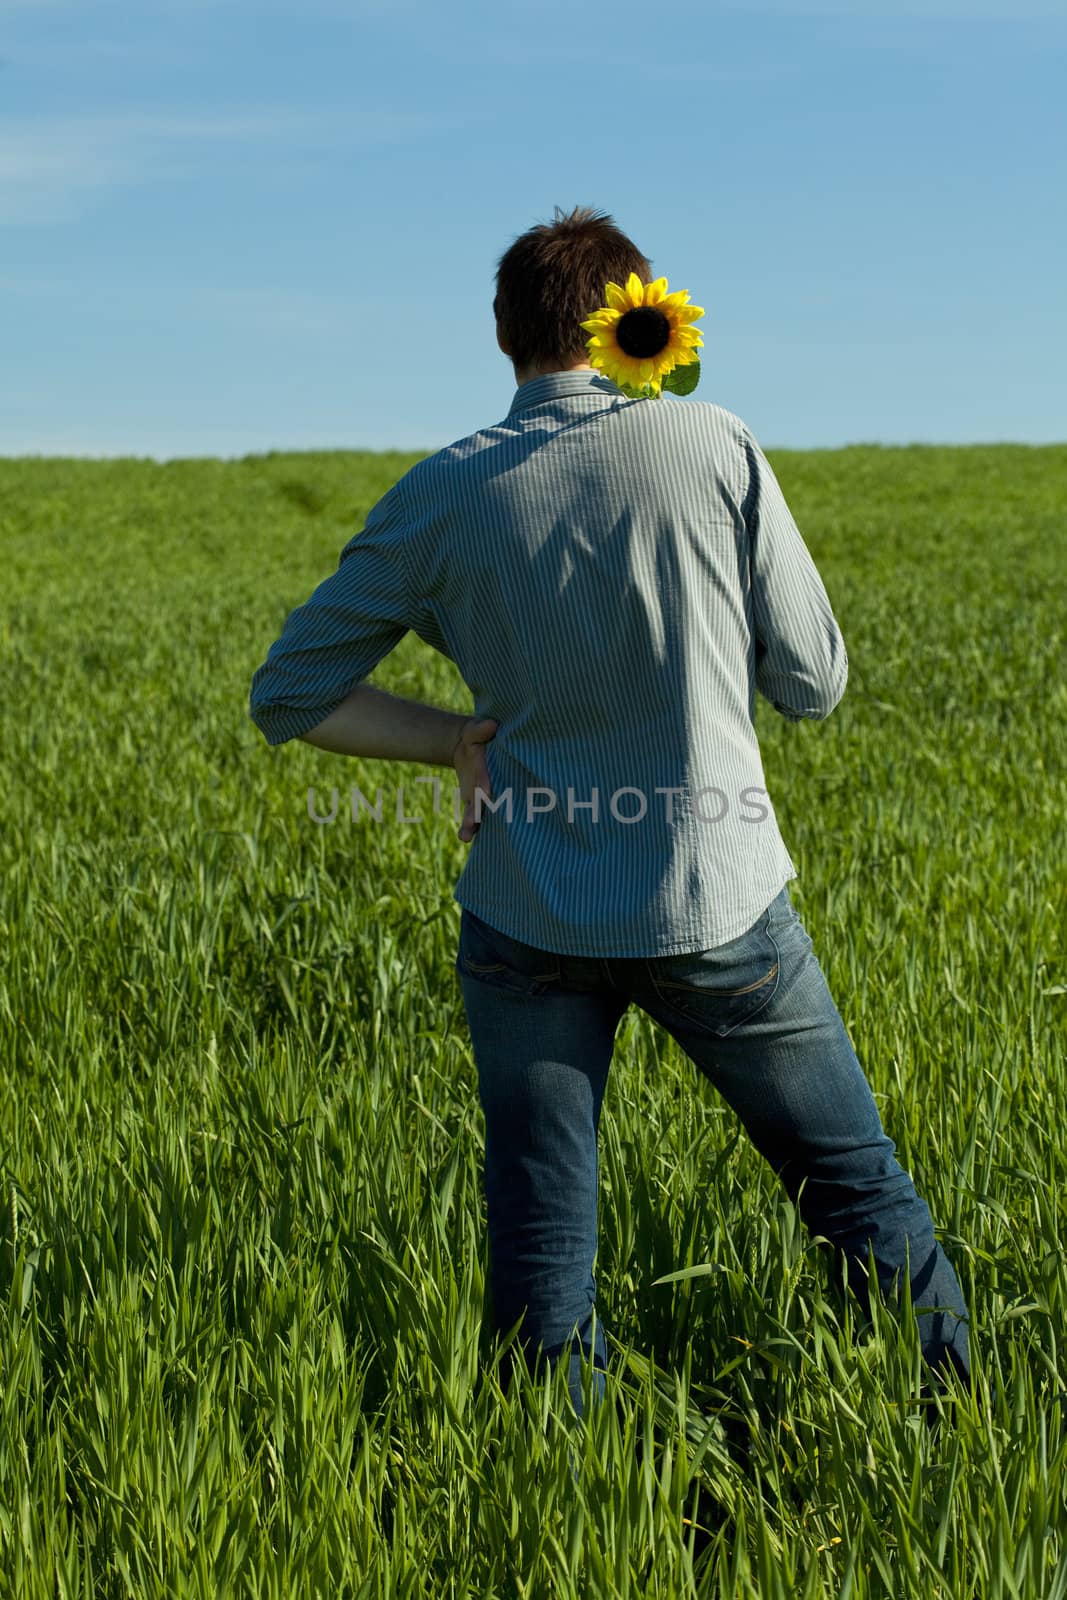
(643, 332)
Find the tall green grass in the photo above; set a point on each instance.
(242, 1249)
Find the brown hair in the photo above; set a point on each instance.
(553, 277)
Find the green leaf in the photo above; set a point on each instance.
(701, 1271)
(641, 392)
(683, 380)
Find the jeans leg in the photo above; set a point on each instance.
(542, 1055)
(791, 1074)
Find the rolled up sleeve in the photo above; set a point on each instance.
(801, 661)
(338, 636)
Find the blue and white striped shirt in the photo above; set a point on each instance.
(614, 580)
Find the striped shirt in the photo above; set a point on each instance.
(614, 579)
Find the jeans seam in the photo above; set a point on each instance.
(477, 969)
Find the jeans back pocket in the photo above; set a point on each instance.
(494, 957)
(717, 990)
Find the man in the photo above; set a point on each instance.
(615, 579)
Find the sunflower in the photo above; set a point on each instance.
(642, 334)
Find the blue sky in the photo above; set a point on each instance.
(230, 226)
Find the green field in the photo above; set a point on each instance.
(242, 1247)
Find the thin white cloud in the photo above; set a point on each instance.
(519, 53)
(265, 308)
(36, 287)
(50, 168)
(346, 10)
(279, 310)
(913, 10)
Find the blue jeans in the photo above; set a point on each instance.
(757, 1019)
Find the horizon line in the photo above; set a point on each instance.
(420, 450)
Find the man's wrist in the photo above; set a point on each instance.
(457, 741)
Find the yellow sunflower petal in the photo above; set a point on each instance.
(655, 291)
(617, 297)
(635, 289)
(620, 367)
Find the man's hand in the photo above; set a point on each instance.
(468, 758)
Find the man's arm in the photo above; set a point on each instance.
(380, 726)
(311, 685)
(331, 643)
(801, 661)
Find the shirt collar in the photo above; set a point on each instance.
(553, 385)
